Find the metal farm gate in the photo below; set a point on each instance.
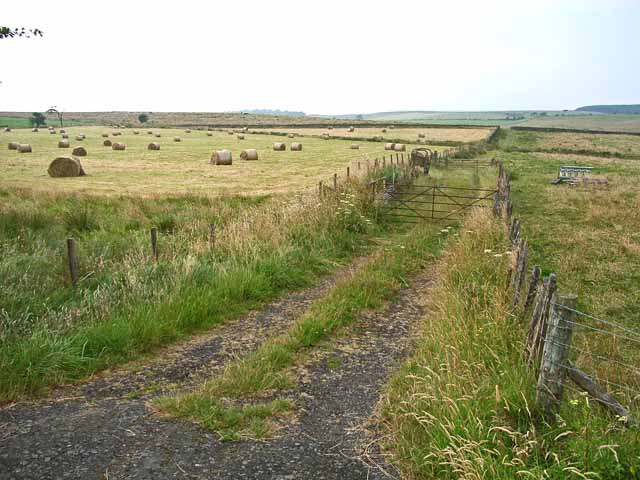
(411, 203)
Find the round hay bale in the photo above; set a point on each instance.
(399, 147)
(52, 131)
(66, 167)
(351, 129)
(118, 146)
(116, 134)
(105, 135)
(176, 139)
(7, 129)
(135, 132)
(230, 132)
(388, 146)
(391, 127)
(296, 147)
(291, 135)
(354, 146)
(187, 131)
(209, 134)
(79, 152)
(62, 130)
(421, 135)
(153, 146)
(65, 135)
(79, 138)
(149, 132)
(245, 129)
(13, 145)
(384, 130)
(330, 127)
(158, 135)
(249, 154)
(24, 148)
(279, 147)
(63, 144)
(240, 137)
(107, 143)
(34, 130)
(377, 138)
(221, 157)
(326, 136)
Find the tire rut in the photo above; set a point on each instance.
(99, 430)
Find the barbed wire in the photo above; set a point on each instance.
(605, 322)
(627, 366)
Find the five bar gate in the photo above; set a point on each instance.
(410, 203)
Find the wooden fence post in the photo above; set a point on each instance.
(539, 321)
(348, 172)
(212, 228)
(320, 189)
(533, 285)
(521, 268)
(72, 256)
(555, 354)
(154, 242)
(335, 183)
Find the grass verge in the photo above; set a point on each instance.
(463, 406)
(261, 252)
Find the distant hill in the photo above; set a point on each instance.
(611, 109)
(286, 113)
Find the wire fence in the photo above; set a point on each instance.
(564, 346)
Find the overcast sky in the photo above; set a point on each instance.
(327, 57)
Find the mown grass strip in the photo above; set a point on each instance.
(366, 288)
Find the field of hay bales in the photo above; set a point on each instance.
(178, 167)
(445, 136)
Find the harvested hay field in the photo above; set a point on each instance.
(180, 167)
(409, 135)
(598, 144)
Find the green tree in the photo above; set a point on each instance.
(143, 118)
(37, 119)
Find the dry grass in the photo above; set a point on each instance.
(179, 167)
(408, 134)
(579, 142)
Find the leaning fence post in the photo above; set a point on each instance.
(72, 256)
(154, 242)
(555, 354)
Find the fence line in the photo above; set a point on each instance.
(552, 321)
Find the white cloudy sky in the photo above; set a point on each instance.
(325, 57)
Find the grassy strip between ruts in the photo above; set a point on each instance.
(463, 406)
(368, 287)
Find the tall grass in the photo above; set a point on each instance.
(126, 303)
(463, 406)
